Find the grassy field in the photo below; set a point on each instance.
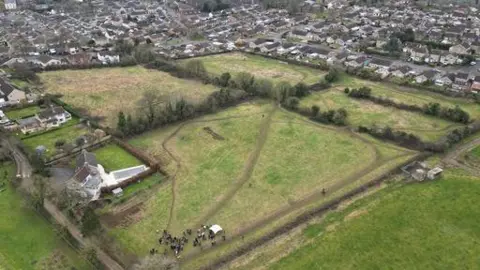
(438, 229)
(366, 113)
(27, 240)
(298, 158)
(69, 132)
(260, 67)
(104, 92)
(409, 95)
(22, 113)
(476, 152)
(113, 157)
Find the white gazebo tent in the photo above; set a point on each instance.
(215, 229)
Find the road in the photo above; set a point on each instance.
(25, 170)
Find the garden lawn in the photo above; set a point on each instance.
(105, 92)
(410, 95)
(22, 113)
(366, 113)
(432, 225)
(27, 240)
(297, 160)
(260, 67)
(112, 157)
(69, 132)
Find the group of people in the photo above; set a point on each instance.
(202, 236)
(177, 244)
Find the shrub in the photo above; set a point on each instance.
(60, 143)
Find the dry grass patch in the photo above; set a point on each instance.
(104, 92)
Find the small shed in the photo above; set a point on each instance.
(434, 173)
(118, 192)
(214, 229)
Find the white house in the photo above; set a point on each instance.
(10, 4)
(9, 94)
(90, 176)
(50, 118)
(108, 57)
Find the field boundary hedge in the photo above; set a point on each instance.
(331, 205)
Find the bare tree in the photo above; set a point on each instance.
(157, 262)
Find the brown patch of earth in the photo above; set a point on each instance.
(124, 217)
(355, 214)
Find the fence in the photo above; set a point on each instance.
(90, 146)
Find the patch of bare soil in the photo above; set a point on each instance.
(123, 218)
(355, 214)
(214, 135)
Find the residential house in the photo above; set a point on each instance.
(357, 62)
(303, 35)
(44, 61)
(54, 116)
(285, 48)
(270, 47)
(377, 63)
(258, 43)
(449, 59)
(475, 87)
(426, 76)
(49, 118)
(402, 71)
(108, 57)
(461, 82)
(9, 94)
(419, 54)
(90, 177)
(460, 49)
(445, 80)
(10, 4)
(434, 57)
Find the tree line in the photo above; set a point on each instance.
(455, 114)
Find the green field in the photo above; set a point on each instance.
(68, 132)
(22, 113)
(476, 152)
(27, 240)
(409, 95)
(366, 113)
(260, 67)
(104, 92)
(298, 158)
(113, 157)
(421, 226)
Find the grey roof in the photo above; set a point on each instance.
(86, 157)
(50, 112)
(127, 173)
(5, 88)
(381, 62)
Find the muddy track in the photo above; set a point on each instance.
(301, 219)
(246, 172)
(177, 160)
(453, 157)
(378, 161)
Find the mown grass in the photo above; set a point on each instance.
(260, 67)
(112, 157)
(432, 225)
(22, 113)
(68, 132)
(297, 160)
(105, 92)
(410, 95)
(27, 240)
(366, 113)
